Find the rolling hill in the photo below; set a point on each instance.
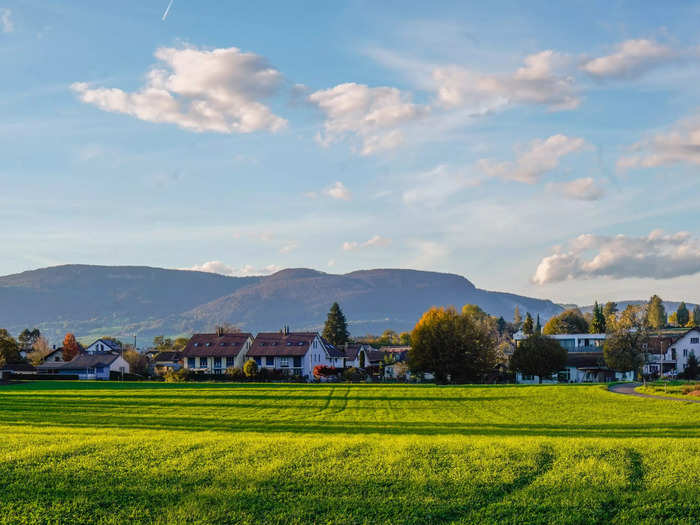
(108, 300)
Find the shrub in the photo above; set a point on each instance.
(353, 374)
(250, 368)
(235, 374)
(690, 388)
(326, 371)
(179, 376)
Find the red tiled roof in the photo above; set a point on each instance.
(214, 345)
(293, 344)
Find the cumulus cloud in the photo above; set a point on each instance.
(437, 185)
(217, 90)
(538, 81)
(585, 189)
(224, 269)
(630, 59)
(681, 144)
(338, 191)
(6, 23)
(374, 242)
(541, 157)
(656, 256)
(373, 115)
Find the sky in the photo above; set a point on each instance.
(546, 150)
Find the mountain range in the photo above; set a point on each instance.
(94, 301)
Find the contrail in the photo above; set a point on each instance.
(167, 10)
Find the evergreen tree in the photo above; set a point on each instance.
(336, 329)
(538, 326)
(682, 314)
(517, 318)
(501, 325)
(691, 367)
(696, 315)
(528, 325)
(656, 313)
(598, 321)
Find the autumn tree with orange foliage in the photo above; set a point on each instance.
(70, 347)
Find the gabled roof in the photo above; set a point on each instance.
(694, 329)
(112, 345)
(167, 357)
(291, 344)
(83, 361)
(215, 345)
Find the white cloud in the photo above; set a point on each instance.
(289, 247)
(631, 58)
(536, 82)
(338, 191)
(585, 189)
(372, 115)
(218, 90)
(681, 144)
(224, 269)
(6, 23)
(542, 156)
(437, 185)
(374, 242)
(656, 256)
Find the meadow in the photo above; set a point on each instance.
(258, 453)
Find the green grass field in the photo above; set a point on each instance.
(225, 453)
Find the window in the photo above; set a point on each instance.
(270, 361)
(190, 362)
(673, 354)
(230, 361)
(685, 352)
(297, 362)
(694, 340)
(217, 362)
(528, 378)
(257, 361)
(196, 345)
(203, 363)
(284, 362)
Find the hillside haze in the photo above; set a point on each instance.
(108, 300)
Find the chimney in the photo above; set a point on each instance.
(219, 331)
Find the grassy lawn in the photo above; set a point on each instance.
(222, 453)
(670, 388)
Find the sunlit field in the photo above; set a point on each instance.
(220, 453)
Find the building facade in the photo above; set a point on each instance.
(214, 353)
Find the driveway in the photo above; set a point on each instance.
(628, 389)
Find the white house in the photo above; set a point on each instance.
(296, 353)
(103, 345)
(52, 362)
(584, 364)
(214, 353)
(96, 366)
(673, 352)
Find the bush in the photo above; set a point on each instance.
(235, 374)
(690, 388)
(353, 374)
(179, 376)
(250, 368)
(326, 371)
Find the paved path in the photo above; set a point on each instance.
(628, 389)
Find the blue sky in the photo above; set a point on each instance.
(546, 150)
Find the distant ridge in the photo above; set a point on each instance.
(123, 300)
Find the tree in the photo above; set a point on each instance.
(624, 348)
(682, 314)
(162, 343)
(180, 343)
(691, 367)
(336, 329)
(538, 355)
(70, 347)
(138, 364)
(250, 368)
(610, 308)
(673, 319)
(501, 325)
(517, 318)
(528, 325)
(28, 337)
(598, 321)
(456, 347)
(405, 338)
(40, 349)
(696, 315)
(568, 322)
(656, 313)
(9, 348)
(538, 326)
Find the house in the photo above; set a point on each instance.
(295, 353)
(166, 360)
(584, 363)
(103, 345)
(669, 355)
(52, 362)
(214, 353)
(361, 355)
(16, 368)
(96, 366)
